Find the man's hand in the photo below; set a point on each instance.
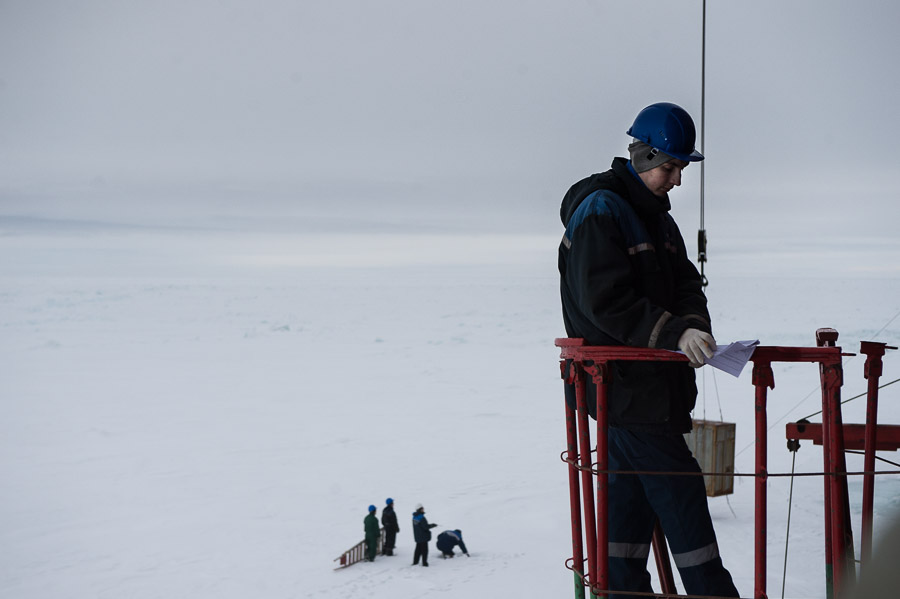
(697, 345)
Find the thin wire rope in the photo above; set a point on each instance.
(786, 414)
(575, 463)
(887, 325)
(704, 394)
(718, 397)
(703, 177)
(701, 233)
(787, 534)
(728, 502)
(852, 398)
(877, 457)
(808, 395)
(703, 120)
(799, 403)
(594, 470)
(597, 592)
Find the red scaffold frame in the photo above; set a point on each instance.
(579, 361)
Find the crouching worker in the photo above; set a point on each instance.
(449, 539)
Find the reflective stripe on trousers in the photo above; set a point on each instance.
(687, 559)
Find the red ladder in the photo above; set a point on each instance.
(357, 553)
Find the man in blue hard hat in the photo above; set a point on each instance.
(626, 279)
(370, 523)
(391, 528)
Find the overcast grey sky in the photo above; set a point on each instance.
(506, 101)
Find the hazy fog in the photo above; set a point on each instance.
(129, 110)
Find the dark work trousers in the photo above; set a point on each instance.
(421, 550)
(636, 501)
(390, 537)
(371, 547)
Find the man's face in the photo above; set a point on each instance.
(662, 179)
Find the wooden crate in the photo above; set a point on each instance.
(712, 443)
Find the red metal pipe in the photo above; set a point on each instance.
(574, 491)
(872, 372)
(828, 467)
(587, 491)
(663, 565)
(837, 502)
(771, 354)
(841, 535)
(602, 354)
(888, 437)
(763, 379)
(600, 374)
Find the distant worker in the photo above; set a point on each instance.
(372, 534)
(626, 280)
(421, 534)
(389, 521)
(449, 539)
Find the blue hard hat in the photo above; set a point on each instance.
(389, 501)
(372, 508)
(668, 128)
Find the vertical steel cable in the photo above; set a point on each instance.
(701, 234)
(702, 115)
(787, 532)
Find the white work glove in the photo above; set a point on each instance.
(697, 345)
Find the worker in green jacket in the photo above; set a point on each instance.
(373, 531)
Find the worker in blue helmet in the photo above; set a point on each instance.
(626, 279)
(373, 533)
(391, 527)
(667, 128)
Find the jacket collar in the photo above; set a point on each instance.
(640, 197)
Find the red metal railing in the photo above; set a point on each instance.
(594, 362)
(837, 522)
(579, 361)
(357, 553)
(868, 437)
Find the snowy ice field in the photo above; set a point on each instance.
(206, 410)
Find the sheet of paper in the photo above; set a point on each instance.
(733, 357)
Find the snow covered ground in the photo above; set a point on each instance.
(207, 411)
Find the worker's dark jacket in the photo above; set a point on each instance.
(449, 539)
(371, 526)
(626, 280)
(389, 519)
(421, 528)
